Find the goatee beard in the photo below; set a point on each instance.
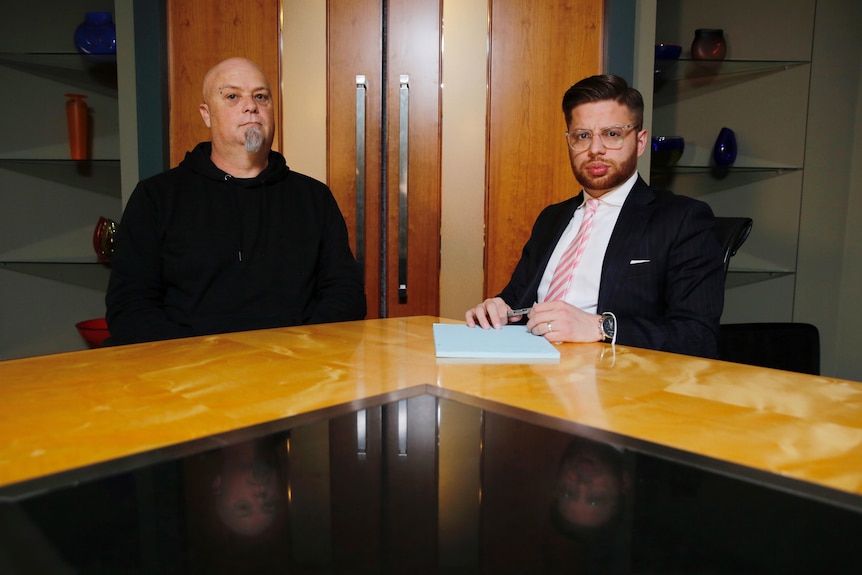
(253, 140)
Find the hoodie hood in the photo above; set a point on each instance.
(198, 161)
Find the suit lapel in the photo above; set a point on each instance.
(626, 236)
(556, 229)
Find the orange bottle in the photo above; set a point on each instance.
(77, 117)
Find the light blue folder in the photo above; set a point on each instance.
(510, 342)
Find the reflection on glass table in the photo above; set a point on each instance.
(424, 485)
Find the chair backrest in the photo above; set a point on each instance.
(732, 233)
(789, 346)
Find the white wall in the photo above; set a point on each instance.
(829, 283)
(303, 89)
(848, 334)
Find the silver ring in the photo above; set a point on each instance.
(550, 329)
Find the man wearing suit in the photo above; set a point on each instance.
(650, 273)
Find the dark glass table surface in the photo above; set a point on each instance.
(420, 485)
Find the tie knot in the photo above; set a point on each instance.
(592, 204)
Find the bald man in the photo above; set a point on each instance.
(231, 239)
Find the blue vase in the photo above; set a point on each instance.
(724, 150)
(96, 35)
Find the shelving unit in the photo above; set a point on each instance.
(50, 277)
(41, 168)
(761, 92)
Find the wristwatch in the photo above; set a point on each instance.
(608, 326)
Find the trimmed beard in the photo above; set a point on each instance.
(617, 176)
(253, 140)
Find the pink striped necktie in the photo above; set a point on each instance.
(564, 270)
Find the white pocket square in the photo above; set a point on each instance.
(634, 262)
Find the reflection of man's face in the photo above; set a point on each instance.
(590, 484)
(589, 492)
(247, 497)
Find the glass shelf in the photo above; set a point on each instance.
(90, 73)
(689, 170)
(743, 277)
(702, 180)
(83, 271)
(97, 176)
(686, 69)
(65, 260)
(62, 163)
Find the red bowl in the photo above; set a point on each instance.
(94, 331)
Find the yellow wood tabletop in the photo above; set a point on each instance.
(66, 411)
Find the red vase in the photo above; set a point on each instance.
(77, 118)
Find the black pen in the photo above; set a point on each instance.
(522, 311)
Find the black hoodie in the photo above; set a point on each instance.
(200, 252)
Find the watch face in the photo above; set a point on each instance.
(609, 326)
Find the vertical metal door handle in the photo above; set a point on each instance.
(402, 186)
(361, 89)
(402, 428)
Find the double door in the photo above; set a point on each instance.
(384, 145)
(385, 62)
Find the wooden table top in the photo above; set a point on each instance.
(67, 411)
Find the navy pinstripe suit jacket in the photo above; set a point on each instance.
(673, 302)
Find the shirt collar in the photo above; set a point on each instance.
(615, 197)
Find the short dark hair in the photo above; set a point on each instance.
(604, 87)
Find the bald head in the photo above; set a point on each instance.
(218, 73)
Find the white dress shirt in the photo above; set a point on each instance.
(584, 288)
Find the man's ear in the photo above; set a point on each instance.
(642, 141)
(205, 114)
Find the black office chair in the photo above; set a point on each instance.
(732, 233)
(780, 345)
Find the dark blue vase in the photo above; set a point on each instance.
(96, 35)
(724, 150)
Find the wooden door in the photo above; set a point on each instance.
(201, 33)
(384, 55)
(538, 50)
(355, 33)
